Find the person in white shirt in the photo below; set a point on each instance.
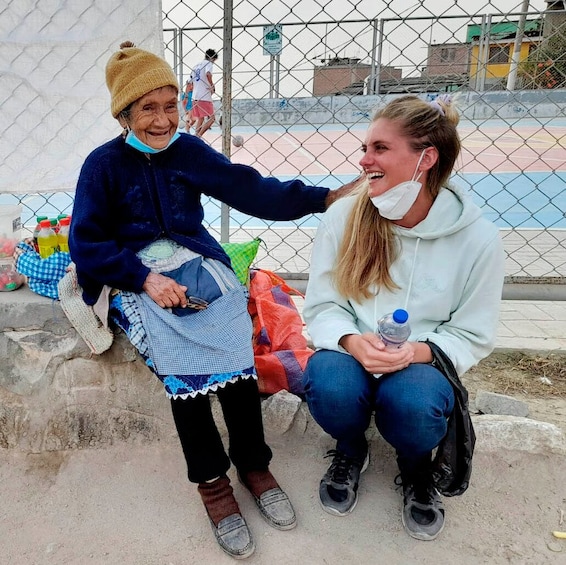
(203, 88)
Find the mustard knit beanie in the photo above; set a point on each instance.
(131, 73)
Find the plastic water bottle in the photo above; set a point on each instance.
(394, 329)
(47, 239)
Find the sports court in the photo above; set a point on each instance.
(518, 184)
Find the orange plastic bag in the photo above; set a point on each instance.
(280, 348)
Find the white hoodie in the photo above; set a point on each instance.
(450, 272)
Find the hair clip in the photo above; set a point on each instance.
(446, 98)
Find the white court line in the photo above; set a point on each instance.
(305, 153)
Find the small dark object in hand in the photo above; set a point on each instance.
(196, 303)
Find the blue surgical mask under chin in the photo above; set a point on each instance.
(133, 141)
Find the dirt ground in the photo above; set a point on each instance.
(537, 378)
(131, 504)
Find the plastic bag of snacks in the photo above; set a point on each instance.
(10, 232)
(10, 279)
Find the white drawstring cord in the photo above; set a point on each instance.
(412, 274)
(408, 289)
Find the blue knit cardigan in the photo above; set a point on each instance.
(124, 201)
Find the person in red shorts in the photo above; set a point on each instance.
(203, 88)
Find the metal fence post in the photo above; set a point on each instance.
(226, 108)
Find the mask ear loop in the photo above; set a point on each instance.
(415, 176)
(126, 128)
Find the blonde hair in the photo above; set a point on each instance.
(369, 246)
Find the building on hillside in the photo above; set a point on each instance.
(482, 62)
(347, 76)
(485, 57)
(555, 22)
(491, 51)
(447, 66)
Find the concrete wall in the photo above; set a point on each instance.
(54, 394)
(538, 104)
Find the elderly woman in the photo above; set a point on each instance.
(137, 227)
(409, 239)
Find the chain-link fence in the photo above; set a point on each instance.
(298, 81)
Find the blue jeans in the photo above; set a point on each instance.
(411, 406)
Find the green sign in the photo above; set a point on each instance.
(272, 39)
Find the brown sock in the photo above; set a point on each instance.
(257, 482)
(218, 499)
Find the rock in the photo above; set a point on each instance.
(496, 433)
(554, 546)
(279, 411)
(494, 403)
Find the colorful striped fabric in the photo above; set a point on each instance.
(280, 348)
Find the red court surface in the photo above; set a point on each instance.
(491, 146)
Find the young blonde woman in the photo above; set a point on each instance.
(408, 240)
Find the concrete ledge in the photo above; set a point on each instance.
(56, 395)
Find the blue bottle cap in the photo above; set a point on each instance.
(400, 316)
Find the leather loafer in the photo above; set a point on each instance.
(233, 536)
(276, 508)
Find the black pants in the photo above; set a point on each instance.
(200, 439)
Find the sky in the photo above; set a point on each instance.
(314, 31)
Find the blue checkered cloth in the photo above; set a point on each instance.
(43, 275)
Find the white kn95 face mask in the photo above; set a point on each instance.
(394, 203)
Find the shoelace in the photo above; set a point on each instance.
(423, 489)
(341, 466)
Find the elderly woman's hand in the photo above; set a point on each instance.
(164, 291)
(344, 190)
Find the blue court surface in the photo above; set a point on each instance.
(523, 199)
(510, 200)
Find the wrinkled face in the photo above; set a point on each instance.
(154, 118)
(388, 157)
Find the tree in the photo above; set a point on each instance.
(545, 67)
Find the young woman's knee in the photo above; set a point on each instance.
(335, 378)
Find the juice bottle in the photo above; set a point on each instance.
(59, 218)
(46, 239)
(36, 231)
(63, 234)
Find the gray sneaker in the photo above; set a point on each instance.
(338, 491)
(423, 511)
